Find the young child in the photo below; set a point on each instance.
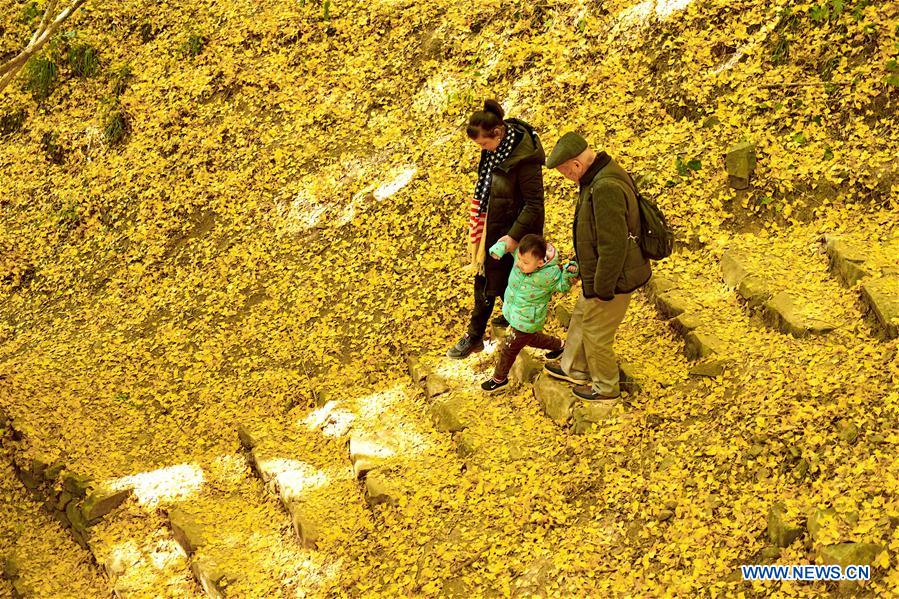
(535, 277)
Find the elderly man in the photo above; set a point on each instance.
(606, 229)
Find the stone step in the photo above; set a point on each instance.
(372, 449)
(193, 534)
(99, 517)
(563, 407)
(527, 366)
(452, 414)
(432, 383)
(669, 298)
(784, 311)
(234, 533)
(882, 297)
(382, 486)
(455, 411)
(140, 556)
(375, 456)
(874, 264)
(315, 498)
(847, 261)
(37, 557)
(781, 310)
(73, 499)
(686, 316)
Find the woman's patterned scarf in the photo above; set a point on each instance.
(489, 161)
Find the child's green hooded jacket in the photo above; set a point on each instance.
(527, 296)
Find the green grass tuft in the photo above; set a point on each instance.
(84, 60)
(116, 127)
(40, 77)
(194, 45)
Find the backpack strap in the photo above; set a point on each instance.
(633, 211)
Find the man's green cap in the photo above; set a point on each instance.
(569, 145)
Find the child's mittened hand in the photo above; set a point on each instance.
(498, 249)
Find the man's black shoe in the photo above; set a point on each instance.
(465, 346)
(587, 393)
(555, 371)
(500, 321)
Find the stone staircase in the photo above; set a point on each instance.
(88, 511)
(185, 530)
(27, 532)
(313, 482)
(310, 485)
(874, 267)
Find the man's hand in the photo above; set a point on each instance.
(511, 244)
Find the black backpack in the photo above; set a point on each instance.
(656, 238)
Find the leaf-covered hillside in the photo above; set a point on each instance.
(225, 214)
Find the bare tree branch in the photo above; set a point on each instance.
(51, 7)
(41, 36)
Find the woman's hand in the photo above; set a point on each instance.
(510, 243)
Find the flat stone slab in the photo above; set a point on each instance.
(291, 479)
(379, 489)
(711, 369)
(188, 532)
(525, 369)
(782, 532)
(670, 299)
(784, 312)
(780, 310)
(417, 370)
(848, 554)
(755, 290)
(733, 267)
(295, 482)
(674, 303)
(555, 397)
(686, 322)
(248, 436)
(370, 450)
(846, 260)
(882, 296)
(434, 385)
(101, 502)
(699, 344)
(587, 414)
(659, 284)
(447, 415)
(307, 527)
(212, 577)
(739, 162)
(78, 523)
(76, 484)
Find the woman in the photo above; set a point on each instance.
(507, 205)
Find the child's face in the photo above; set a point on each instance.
(528, 263)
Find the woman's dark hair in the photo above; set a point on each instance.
(533, 245)
(483, 122)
